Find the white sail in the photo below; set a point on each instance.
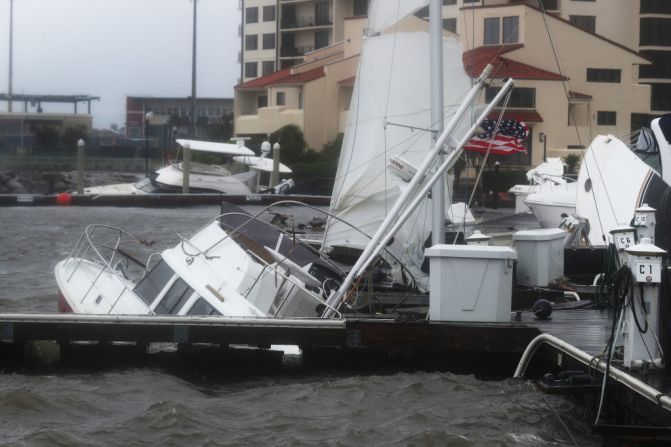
(384, 13)
(391, 92)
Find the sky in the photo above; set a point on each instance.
(115, 48)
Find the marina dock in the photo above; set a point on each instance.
(154, 200)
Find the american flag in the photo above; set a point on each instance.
(508, 140)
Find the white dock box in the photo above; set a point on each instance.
(541, 256)
(470, 283)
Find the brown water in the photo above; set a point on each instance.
(153, 407)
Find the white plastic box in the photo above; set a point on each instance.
(541, 256)
(470, 283)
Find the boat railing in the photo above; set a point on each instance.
(103, 245)
(275, 268)
(298, 240)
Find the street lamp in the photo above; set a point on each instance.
(543, 139)
(147, 118)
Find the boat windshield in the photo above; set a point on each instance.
(174, 298)
(153, 283)
(202, 307)
(646, 149)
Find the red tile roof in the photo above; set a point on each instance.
(282, 77)
(528, 116)
(475, 61)
(348, 81)
(579, 96)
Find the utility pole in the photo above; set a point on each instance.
(11, 36)
(193, 74)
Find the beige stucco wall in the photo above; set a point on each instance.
(624, 98)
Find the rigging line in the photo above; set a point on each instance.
(462, 224)
(356, 119)
(572, 113)
(561, 421)
(369, 160)
(386, 105)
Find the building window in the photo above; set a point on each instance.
(359, 8)
(661, 97)
(521, 97)
(300, 100)
(269, 41)
(321, 39)
(511, 26)
(322, 13)
(251, 42)
(261, 101)
(269, 13)
(280, 99)
(606, 118)
(655, 7)
(603, 75)
(252, 15)
(450, 2)
(492, 31)
(251, 70)
(549, 5)
(267, 67)
(660, 67)
(655, 31)
(588, 23)
(450, 24)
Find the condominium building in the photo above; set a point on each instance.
(276, 34)
(572, 82)
(640, 25)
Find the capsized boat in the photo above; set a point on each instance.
(219, 270)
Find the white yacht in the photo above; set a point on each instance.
(242, 173)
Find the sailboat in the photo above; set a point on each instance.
(388, 135)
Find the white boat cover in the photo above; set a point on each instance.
(261, 164)
(392, 86)
(217, 148)
(551, 171)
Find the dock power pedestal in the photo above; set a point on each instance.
(641, 318)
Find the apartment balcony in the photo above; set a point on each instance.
(305, 22)
(268, 120)
(295, 51)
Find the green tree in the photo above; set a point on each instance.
(572, 161)
(292, 143)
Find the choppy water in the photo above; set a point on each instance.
(153, 407)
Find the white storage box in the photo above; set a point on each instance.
(541, 256)
(470, 283)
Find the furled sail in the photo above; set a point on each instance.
(388, 118)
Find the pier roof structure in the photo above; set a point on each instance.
(58, 99)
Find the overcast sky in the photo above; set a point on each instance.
(114, 48)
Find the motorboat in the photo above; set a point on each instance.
(219, 270)
(243, 173)
(552, 203)
(545, 176)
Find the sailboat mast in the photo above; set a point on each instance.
(436, 53)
